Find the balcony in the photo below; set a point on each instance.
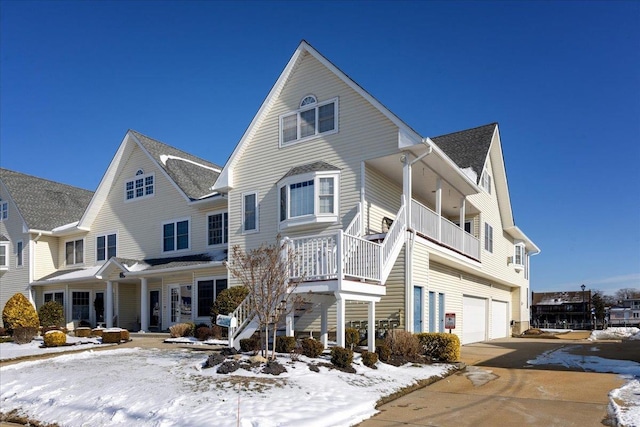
(442, 231)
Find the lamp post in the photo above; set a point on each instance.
(583, 311)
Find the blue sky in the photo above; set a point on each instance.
(561, 78)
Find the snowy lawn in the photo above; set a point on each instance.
(151, 387)
(10, 350)
(624, 402)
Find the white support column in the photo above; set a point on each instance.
(371, 339)
(406, 187)
(144, 305)
(463, 214)
(340, 320)
(108, 315)
(324, 325)
(289, 324)
(439, 207)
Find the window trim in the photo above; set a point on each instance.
(75, 256)
(225, 231)
(142, 176)
(106, 246)
(19, 253)
(6, 246)
(488, 237)
(175, 236)
(312, 106)
(256, 210)
(316, 217)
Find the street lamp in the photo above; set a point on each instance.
(583, 311)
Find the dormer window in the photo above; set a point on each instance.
(311, 120)
(141, 186)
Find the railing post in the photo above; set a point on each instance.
(339, 260)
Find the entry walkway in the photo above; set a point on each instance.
(499, 388)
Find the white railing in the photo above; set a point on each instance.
(362, 258)
(425, 222)
(243, 316)
(355, 227)
(394, 233)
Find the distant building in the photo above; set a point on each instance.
(626, 314)
(560, 309)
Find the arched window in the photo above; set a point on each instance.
(308, 100)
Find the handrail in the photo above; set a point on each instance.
(355, 227)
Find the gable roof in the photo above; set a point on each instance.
(44, 204)
(468, 148)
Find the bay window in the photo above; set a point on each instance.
(308, 198)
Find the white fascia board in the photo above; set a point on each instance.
(502, 187)
(518, 234)
(162, 271)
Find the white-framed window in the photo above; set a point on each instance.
(312, 119)
(4, 255)
(57, 296)
(175, 235)
(4, 210)
(468, 226)
(307, 198)
(74, 252)
(518, 253)
(250, 217)
(217, 228)
(488, 238)
(106, 246)
(142, 185)
(485, 181)
(19, 248)
(80, 305)
(208, 289)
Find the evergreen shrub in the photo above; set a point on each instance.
(369, 359)
(312, 348)
(351, 337)
(341, 357)
(285, 344)
(19, 312)
(440, 346)
(54, 338)
(51, 313)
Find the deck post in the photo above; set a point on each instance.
(324, 324)
(371, 338)
(340, 320)
(108, 316)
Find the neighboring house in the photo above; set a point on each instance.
(391, 229)
(625, 314)
(552, 309)
(147, 251)
(31, 210)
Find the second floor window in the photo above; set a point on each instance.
(19, 247)
(4, 250)
(312, 119)
(74, 252)
(249, 212)
(488, 237)
(518, 255)
(141, 186)
(4, 210)
(105, 247)
(217, 228)
(485, 181)
(175, 236)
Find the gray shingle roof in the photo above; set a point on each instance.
(195, 180)
(44, 204)
(468, 148)
(310, 167)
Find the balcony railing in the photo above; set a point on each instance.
(427, 222)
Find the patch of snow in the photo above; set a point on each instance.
(624, 404)
(165, 157)
(11, 350)
(479, 376)
(151, 387)
(615, 334)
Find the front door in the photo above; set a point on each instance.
(154, 310)
(98, 305)
(417, 309)
(180, 304)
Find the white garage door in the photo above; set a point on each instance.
(474, 323)
(499, 325)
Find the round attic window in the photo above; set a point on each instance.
(140, 172)
(308, 100)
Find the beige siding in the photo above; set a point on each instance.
(128, 306)
(382, 199)
(420, 277)
(46, 256)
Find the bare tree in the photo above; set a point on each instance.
(627, 293)
(265, 272)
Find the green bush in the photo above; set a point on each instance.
(440, 346)
(250, 344)
(227, 301)
(383, 351)
(403, 344)
(19, 312)
(285, 344)
(351, 337)
(54, 338)
(312, 348)
(51, 313)
(341, 357)
(369, 359)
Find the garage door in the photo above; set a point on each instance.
(474, 323)
(499, 325)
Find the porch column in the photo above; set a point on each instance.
(371, 339)
(439, 207)
(340, 322)
(324, 325)
(463, 214)
(406, 187)
(108, 313)
(144, 305)
(289, 325)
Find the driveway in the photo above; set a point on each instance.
(499, 388)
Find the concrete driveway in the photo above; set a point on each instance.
(499, 388)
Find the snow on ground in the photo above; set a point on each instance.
(151, 387)
(624, 402)
(9, 350)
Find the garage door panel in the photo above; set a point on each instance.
(499, 319)
(474, 312)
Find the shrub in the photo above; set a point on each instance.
(404, 344)
(181, 330)
(124, 335)
(351, 337)
(51, 313)
(369, 359)
(285, 344)
(82, 332)
(383, 351)
(216, 332)
(55, 338)
(227, 301)
(19, 312)
(250, 344)
(203, 333)
(341, 357)
(3, 331)
(312, 348)
(114, 335)
(24, 334)
(440, 346)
